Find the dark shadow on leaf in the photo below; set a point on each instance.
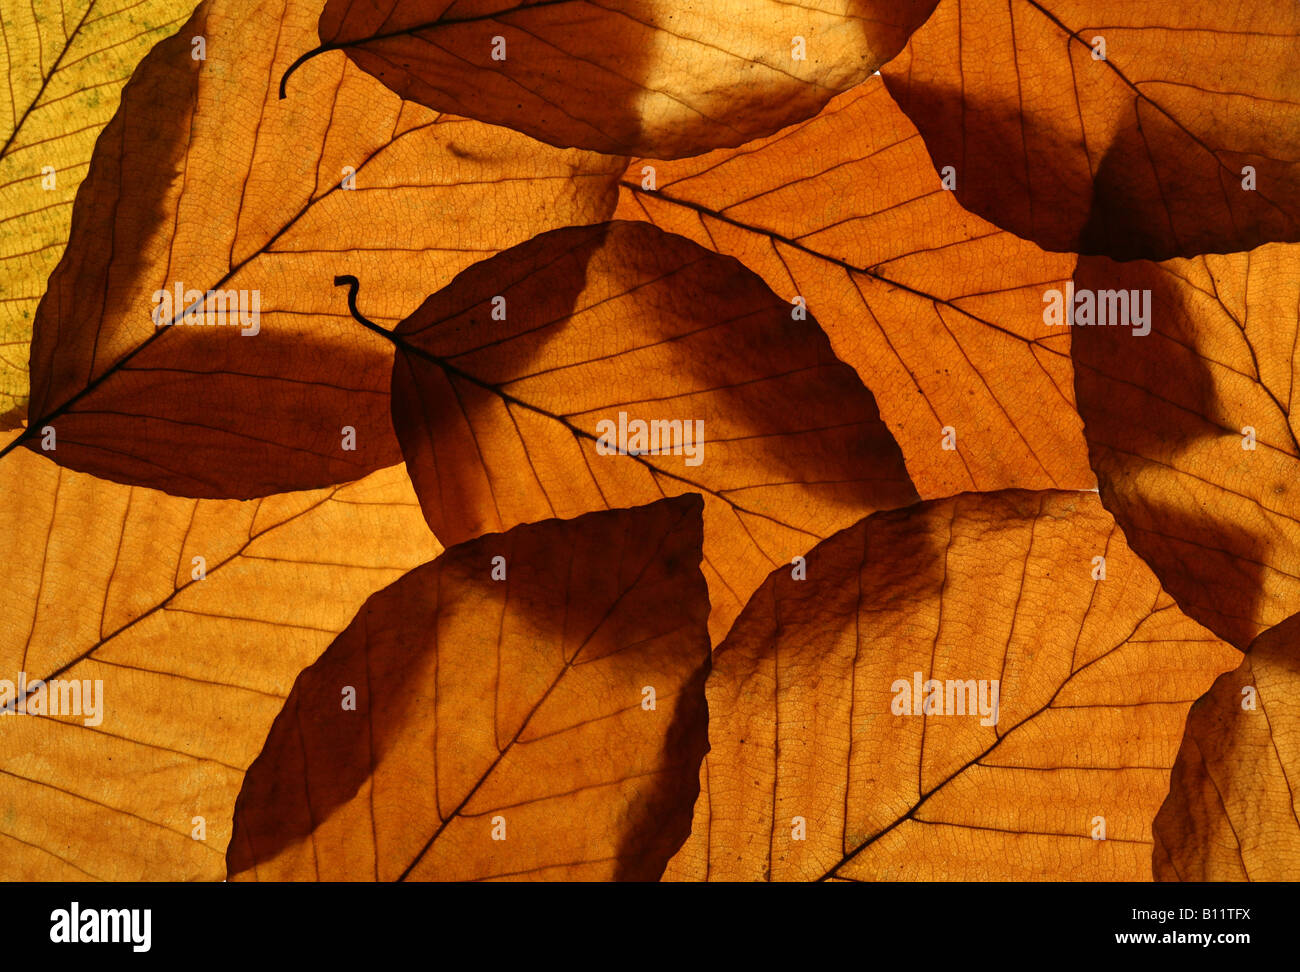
(1145, 400)
(593, 75)
(578, 592)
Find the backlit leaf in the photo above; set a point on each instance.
(206, 179)
(65, 71)
(97, 582)
(938, 311)
(647, 77)
(1191, 430)
(502, 727)
(816, 769)
(501, 420)
(1141, 154)
(1231, 813)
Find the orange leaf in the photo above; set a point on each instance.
(100, 582)
(625, 76)
(1059, 706)
(938, 311)
(206, 181)
(1191, 432)
(1142, 153)
(548, 723)
(506, 421)
(1231, 813)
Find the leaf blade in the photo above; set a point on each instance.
(939, 312)
(241, 411)
(628, 76)
(502, 422)
(805, 720)
(1139, 155)
(99, 585)
(445, 747)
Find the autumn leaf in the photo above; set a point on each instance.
(1155, 130)
(101, 583)
(1231, 813)
(544, 722)
(1060, 702)
(207, 182)
(64, 74)
(634, 372)
(1190, 427)
(939, 312)
(644, 77)
(518, 392)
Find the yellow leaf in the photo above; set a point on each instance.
(65, 70)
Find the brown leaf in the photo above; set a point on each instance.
(205, 178)
(500, 419)
(938, 311)
(64, 75)
(1165, 415)
(501, 727)
(626, 76)
(1231, 813)
(97, 582)
(1141, 154)
(807, 727)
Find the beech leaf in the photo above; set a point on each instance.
(1191, 431)
(546, 722)
(100, 582)
(1042, 754)
(939, 312)
(519, 389)
(648, 77)
(64, 76)
(1154, 130)
(206, 186)
(1231, 813)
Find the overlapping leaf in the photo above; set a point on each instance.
(501, 420)
(531, 704)
(65, 72)
(99, 583)
(206, 179)
(544, 724)
(938, 311)
(1141, 154)
(625, 76)
(816, 771)
(1231, 813)
(1191, 430)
